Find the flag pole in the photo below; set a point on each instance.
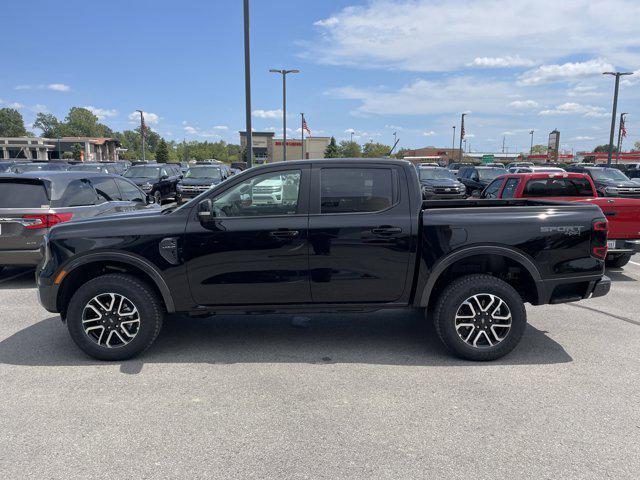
(620, 127)
(302, 132)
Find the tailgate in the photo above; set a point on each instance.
(623, 215)
(21, 202)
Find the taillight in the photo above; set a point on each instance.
(47, 220)
(599, 234)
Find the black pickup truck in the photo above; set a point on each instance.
(323, 236)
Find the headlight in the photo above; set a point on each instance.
(147, 186)
(428, 189)
(179, 187)
(611, 190)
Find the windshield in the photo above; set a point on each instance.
(436, 174)
(608, 174)
(36, 167)
(490, 173)
(87, 168)
(143, 172)
(204, 172)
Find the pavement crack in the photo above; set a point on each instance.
(624, 319)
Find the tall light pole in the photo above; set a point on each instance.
(613, 112)
(284, 73)
(461, 133)
(531, 149)
(453, 142)
(247, 86)
(352, 132)
(143, 133)
(622, 115)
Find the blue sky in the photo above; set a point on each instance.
(374, 67)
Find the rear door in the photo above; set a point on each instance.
(24, 204)
(359, 234)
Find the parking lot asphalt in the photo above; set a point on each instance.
(349, 396)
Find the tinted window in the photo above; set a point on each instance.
(509, 189)
(490, 173)
(79, 193)
(274, 193)
(143, 172)
(106, 189)
(23, 195)
(558, 187)
(130, 193)
(435, 174)
(355, 190)
(492, 190)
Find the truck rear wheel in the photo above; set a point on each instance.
(114, 317)
(480, 317)
(617, 261)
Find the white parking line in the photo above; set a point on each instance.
(13, 277)
(635, 263)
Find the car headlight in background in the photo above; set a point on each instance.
(179, 187)
(611, 190)
(147, 187)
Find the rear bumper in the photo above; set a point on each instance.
(625, 246)
(20, 257)
(572, 289)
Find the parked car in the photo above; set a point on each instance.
(609, 182)
(33, 202)
(199, 179)
(632, 170)
(38, 167)
(158, 180)
(475, 179)
(455, 167)
(94, 167)
(513, 165)
(349, 235)
(5, 166)
(537, 170)
(494, 164)
(440, 183)
(623, 214)
(239, 165)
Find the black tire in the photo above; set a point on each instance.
(452, 299)
(158, 196)
(617, 261)
(151, 313)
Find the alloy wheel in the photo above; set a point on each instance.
(110, 320)
(483, 320)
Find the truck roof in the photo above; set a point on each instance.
(382, 161)
(547, 175)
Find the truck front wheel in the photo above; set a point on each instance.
(114, 317)
(480, 317)
(617, 261)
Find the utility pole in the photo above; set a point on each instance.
(461, 133)
(284, 73)
(502, 144)
(247, 87)
(613, 111)
(531, 149)
(143, 133)
(453, 142)
(622, 115)
(351, 136)
(395, 137)
(302, 133)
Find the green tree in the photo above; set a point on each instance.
(332, 150)
(80, 122)
(77, 151)
(350, 149)
(604, 149)
(49, 125)
(162, 152)
(11, 123)
(375, 150)
(539, 150)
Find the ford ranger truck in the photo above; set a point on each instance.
(347, 236)
(623, 214)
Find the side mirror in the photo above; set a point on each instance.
(164, 177)
(205, 211)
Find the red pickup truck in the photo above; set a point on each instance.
(623, 214)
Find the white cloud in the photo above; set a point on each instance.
(149, 118)
(221, 127)
(16, 105)
(500, 62)
(394, 127)
(102, 113)
(190, 130)
(58, 87)
(571, 108)
(429, 133)
(584, 90)
(396, 33)
(582, 138)
(565, 72)
(523, 104)
(267, 113)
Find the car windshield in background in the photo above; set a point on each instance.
(490, 173)
(143, 172)
(436, 174)
(204, 172)
(92, 168)
(37, 167)
(608, 174)
(558, 187)
(15, 194)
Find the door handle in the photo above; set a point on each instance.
(386, 230)
(285, 233)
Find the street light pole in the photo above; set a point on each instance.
(531, 149)
(453, 142)
(622, 115)
(284, 73)
(613, 112)
(461, 133)
(247, 86)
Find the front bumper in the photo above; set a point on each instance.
(444, 196)
(625, 246)
(20, 257)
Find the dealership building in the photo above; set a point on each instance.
(268, 149)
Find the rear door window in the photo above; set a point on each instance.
(558, 187)
(106, 189)
(79, 193)
(355, 190)
(130, 193)
(510, 187)
(492, 190)
(23, 195)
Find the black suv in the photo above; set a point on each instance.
(609, 182)
(476, 179)
(158, 180)
(439, 183)
(199, 179)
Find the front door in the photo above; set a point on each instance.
(254, 251)
(360, 234)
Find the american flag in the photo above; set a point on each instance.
(305, 126)
(143, 126)
(462, 129)
(623, 128)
